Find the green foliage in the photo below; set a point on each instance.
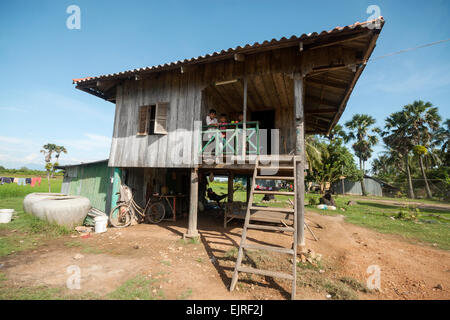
(336, 161)
(420, 150)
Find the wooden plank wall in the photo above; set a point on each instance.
(183, 91)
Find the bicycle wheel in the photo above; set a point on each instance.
(120, 216)
(155, 213)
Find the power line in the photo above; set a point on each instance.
(409, 49)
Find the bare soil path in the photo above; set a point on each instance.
(203, 270)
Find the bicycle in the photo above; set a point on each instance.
(123, 213)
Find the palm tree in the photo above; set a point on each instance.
(58, 150)
(365, 136)
(442, 138)
(314, 151)
(48, 150)
(396, 137)
(423, 121)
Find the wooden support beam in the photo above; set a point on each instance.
(248, 188)
(239, 57)
(230, 186)
(193, 205)
(313, 110)
(244, 124)
(327, 83)
(299, 107)
(322, 102)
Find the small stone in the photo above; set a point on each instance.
(328, 296)
(136, 246)
(438, 286)
(321, 271)
(78, 256)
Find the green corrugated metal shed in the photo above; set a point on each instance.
(92, 180)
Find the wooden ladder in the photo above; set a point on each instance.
(247, 225)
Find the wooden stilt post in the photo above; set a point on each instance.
(230, 186)
(248, 188)
(193, 205)
(244, 121)
(300, 154)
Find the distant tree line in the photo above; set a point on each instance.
(416, 156)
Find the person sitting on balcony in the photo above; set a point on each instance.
(211, 119)
(223, 121)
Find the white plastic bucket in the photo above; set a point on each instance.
(6, 215)
(100, 224)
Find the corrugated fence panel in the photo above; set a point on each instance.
(93, 182)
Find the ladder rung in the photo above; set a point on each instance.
(274, 274)
(268, 248)
(283, 193)
(275, 209)
(271, 228)
(273, 178)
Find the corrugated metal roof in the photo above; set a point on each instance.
(238, 49)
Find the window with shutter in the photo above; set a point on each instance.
(143, 120)
(161, 113)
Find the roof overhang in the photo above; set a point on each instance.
(327, 87)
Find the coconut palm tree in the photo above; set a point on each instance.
(58, 150)
(442, 138)
(314, 151)
(365, 138)
(423, 121)
(396, 137)
(48, 151)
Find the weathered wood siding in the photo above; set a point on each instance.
(178, 148)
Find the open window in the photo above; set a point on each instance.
(153, 119)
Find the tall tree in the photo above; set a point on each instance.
(48, 151)
(442, 138)
(314, 151)
(365, 137)
(422, 121)
(58, 150)
(396, 137)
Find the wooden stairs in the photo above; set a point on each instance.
(287, 173)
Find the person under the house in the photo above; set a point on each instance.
(215, 197)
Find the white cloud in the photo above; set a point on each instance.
(16, 152)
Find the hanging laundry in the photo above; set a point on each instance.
(16, 180)
(28, 180)
(33, 182)
(39, 181)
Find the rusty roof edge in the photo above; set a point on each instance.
(229, 51)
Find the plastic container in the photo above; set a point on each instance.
(6, 215)
(100, 224)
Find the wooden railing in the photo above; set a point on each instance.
(226, 139)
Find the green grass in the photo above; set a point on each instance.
(25, 231)
(431, 226)
(12, 190)
(138, 288)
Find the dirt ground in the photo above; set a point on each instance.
(203, 270)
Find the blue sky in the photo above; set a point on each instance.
(39, 56)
